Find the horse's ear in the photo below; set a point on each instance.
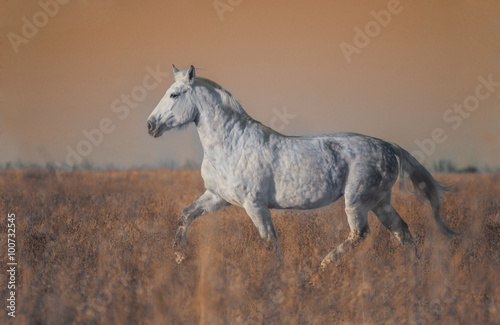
(175, 72)
(191, 74)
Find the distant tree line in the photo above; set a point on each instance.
(87, 165)
(438, 166)
(448, 166)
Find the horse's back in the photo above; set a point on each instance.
(314, 171)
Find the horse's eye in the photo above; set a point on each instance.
(174, 95)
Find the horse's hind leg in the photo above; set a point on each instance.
(357, 217)
(393, 221)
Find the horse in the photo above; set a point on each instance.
(250, 165)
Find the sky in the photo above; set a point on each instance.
(78, 78)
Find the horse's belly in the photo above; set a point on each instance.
(306, 194)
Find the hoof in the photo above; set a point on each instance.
(179, 257)
(324, 264)
(330, 258)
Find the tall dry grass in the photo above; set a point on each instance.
(96, 248)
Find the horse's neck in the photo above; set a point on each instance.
(222, 129)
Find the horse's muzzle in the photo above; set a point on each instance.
(154, 129)
(151, 126)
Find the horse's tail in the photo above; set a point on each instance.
(424, 185)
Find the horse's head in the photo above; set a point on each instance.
(177, 107)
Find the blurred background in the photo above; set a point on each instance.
(79, 78)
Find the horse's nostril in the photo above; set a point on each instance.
(151, 126)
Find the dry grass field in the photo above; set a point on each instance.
(96, 248)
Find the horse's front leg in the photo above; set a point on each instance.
(207, 203)
(261, 218)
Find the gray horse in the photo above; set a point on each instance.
(250, 165)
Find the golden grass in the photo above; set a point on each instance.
(96, 248)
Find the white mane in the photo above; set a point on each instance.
(227, 100)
